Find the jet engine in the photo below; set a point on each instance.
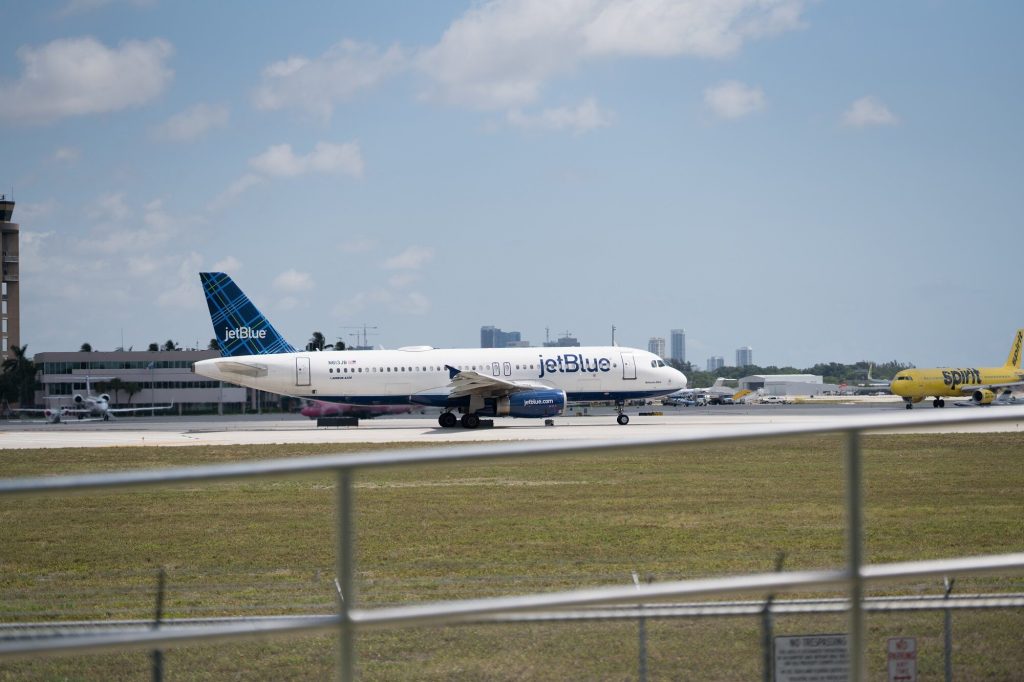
(983, 396)
(79, 399)
(537, 404)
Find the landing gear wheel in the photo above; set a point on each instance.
(910, 405)
(942, 403)
(470, 421)
(623, 419)
(447, 420)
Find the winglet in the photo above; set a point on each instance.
(1014, 359)
(241, 329)
(452, 372)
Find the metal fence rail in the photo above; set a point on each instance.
(853, 578)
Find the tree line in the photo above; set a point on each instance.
(832, 372)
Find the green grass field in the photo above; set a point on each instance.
(496, 528)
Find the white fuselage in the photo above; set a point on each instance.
(419, 375)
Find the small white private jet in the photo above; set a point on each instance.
(88, 407)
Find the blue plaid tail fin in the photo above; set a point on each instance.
(241, 329)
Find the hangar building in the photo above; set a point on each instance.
(787, 384)
(146, 378)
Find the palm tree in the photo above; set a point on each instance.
(131, 388)
(19, 375)
(115, 386)
(316, 342)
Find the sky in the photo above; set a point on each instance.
(819, 180)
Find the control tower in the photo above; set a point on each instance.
(10, 298)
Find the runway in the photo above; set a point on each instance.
(666, 423)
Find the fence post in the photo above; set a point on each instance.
(346, 570)
(948, 630)
(641, 636)
(854, 553)
(158, 654)
(767, 626)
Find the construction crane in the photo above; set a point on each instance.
(365, 333)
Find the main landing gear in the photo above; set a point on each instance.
(448, 420)
(623, 418)
(938, 402)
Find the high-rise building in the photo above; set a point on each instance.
(744, 356)
(10, 298)
(492, 337)
(656, 345)
(715, 362)
(678, 342)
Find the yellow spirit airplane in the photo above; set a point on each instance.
(984, 385)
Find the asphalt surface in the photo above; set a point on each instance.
(653, 422)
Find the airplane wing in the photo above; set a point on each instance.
(466, 382)
(974, 387)
(127, 410)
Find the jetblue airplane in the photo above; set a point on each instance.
(477, 382)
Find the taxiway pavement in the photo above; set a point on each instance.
(599, 425)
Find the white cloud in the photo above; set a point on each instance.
(31, 212)
(235, 190)
(316, 85)
(412, 258)
(194, 122)
(110, 207)
(119, 233)
(584, 118)
(869, 111)
(500, 54)
(67, 154)
(228, 264)
(78, 76)
(82, 6)
(293, 282)
(404, 302)
(280, 160)
(33, 249)
(184, 290)
(733, 99)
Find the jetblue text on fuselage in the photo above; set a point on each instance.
(573, 362)
(245, 333)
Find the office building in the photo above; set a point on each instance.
(656, 345)
(715, 362)
(144, 378)
(10, 295)
(744, 356)
(492, 337)
(678, 345)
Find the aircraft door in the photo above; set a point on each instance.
(628, 366)
(496, 369)
(507, 367)
(302, 371)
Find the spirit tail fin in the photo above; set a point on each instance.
(1014, 359)
(240, 327)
